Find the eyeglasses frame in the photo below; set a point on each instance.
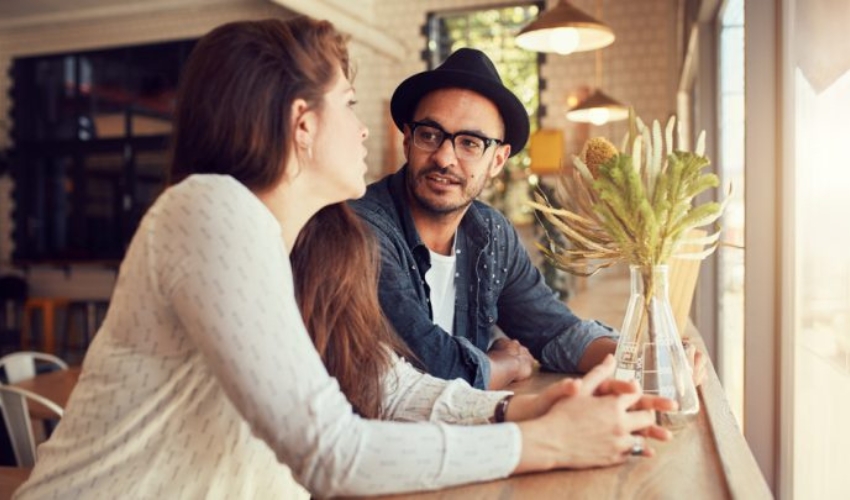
(488, 141)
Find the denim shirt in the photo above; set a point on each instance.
(496, 284)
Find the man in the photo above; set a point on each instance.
(452, 267)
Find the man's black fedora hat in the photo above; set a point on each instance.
(469, 69)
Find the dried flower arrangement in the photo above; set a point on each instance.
(634, 205)
(637, 205)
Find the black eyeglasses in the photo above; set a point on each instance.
(468, 146)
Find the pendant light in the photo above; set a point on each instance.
(598, 108)
(564, 29)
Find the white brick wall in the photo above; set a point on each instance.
(639, 69)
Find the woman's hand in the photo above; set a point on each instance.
(646, 402)
(528, 406)
(596, 425)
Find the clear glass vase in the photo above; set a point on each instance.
(650, 349)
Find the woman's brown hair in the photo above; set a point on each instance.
(232, 118)
(335, 262)
(234, 102)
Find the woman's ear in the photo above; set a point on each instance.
(303, 124)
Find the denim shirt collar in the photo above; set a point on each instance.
(472, 225)
(398, 190)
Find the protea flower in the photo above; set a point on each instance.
(632, 205)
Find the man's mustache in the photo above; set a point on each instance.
(443, 172)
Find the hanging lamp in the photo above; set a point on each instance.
(598, 108)
(564, 29)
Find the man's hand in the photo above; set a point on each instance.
(509, 361)
(697, 360)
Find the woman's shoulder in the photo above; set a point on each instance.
(208, 195)
(211, 204)
(210, 188)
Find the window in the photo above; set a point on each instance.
(818, 183)
(492, 30)
(730, 300)
(91, 136)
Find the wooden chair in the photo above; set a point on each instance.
(47, 308)
(14, 406)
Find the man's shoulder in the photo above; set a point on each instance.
(489, 217)
(378, 208)
(377, 199)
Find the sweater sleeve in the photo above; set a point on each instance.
(410, 395)
(226, 273)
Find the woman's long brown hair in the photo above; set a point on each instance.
(335, 262)
(232, 118)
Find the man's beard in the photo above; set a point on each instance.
(439, 207)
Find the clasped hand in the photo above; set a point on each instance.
(587, 422)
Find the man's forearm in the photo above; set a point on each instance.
(596, 352)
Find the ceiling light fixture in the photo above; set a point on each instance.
(564, 29)
(598, 108)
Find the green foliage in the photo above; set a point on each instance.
(493, 29)
(639, 208)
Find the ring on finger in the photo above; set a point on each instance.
(637, 447)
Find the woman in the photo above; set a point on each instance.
(204, 381)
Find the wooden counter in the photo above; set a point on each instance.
(708, 459)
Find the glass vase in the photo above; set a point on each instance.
(650, 350)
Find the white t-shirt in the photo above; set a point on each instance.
(441, 280)
(203, 382)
